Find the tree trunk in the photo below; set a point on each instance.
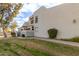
(4, 33)
(1, 22)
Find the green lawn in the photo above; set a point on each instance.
(30, 47)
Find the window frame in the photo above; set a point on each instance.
(36, 19)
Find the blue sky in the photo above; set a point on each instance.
(28, 9)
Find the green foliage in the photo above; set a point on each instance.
(75, 39)
(15, 11)
(13, 25)
(52, 33)
(5, 22)
(11, 9)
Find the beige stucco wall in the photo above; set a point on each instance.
(61, 18)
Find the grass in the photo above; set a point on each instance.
(33, 51)
(34, 47)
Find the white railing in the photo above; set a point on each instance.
(27, 33)
(30, 33)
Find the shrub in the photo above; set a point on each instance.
(52, 33)
(13, 34)
(75, 39)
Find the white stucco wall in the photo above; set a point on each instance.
(39, 27)
(61, 18)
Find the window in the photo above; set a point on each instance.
(31, 19)
(27, 29)
(32, 27)
(24, 27)
(21, 29)
(32, 22)
(36, 19)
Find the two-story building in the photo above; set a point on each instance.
(27, 28)
(64, 17)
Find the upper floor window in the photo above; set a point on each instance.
(31, 18)
(27, 29)
(21, 29)
(32, 21)
(36, 19)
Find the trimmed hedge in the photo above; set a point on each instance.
(75, 39)
(52, 33)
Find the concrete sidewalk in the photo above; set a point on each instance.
(59, 41)
(54, 40)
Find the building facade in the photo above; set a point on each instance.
(64, 17)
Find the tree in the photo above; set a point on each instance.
(13, 26)
(7, 12)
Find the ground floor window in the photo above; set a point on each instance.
(32, 27)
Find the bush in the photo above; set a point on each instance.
(75, 39)
(13, 34)
(52, 33)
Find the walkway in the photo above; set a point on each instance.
(60, 41)
(56, 41)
